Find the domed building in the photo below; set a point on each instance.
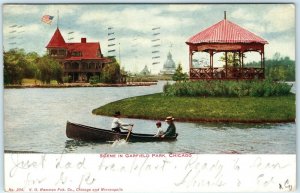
(145, 71)
(169, 65)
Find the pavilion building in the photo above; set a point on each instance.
(145, 71)
(226, 37)
(169, 67)
(80, 60)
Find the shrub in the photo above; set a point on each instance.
(94, 79)
(255, 88)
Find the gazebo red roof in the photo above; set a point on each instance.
(225, 32)
(57, 40)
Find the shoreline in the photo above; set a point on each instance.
(76, 85)
(211, 120)
(249, 110)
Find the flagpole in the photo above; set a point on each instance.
(57, 18)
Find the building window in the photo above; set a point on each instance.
(62, 52)
(53, 52)
(76, 53)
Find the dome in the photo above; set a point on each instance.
(169, 64)
(145, 71)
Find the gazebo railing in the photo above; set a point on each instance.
(226, 73)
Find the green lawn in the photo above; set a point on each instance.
(198, 109)
(27, 81)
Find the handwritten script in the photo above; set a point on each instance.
(131, 172)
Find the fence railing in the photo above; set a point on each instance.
(227, 73)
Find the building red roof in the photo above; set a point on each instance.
(225, 32)
(77, 51)
(89, 50)
(57, 40)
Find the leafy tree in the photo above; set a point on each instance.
(49, 68)
(232, 59)
(18, 65)
(179, 75)
(31, 69)
(14, 65)
(111, 72)
(278, 68)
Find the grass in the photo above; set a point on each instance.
(148, 78)
(201, 109)
(27, 81)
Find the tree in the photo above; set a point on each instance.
(179, 75)
(111, 72)
(14, 65)
(232, 59)
(49, 68)
(278, 68)
(31, 69)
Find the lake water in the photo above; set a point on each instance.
(35, 120)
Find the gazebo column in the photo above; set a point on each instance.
(225, 64)
(242, 59)
(211, 63)
(261, 60)
(190, 61)
(262, 55)
(240, 62)
(240, 66)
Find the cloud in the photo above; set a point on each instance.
(64, 10)
(243, 14)
(186, 7)
(255, 28)
(280, 18)
(284, 47)
(33, 29)
(20, 9)
(140, 20)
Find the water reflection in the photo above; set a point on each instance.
(72, 145)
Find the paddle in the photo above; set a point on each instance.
(128, 134)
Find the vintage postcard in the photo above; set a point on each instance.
(149, 97)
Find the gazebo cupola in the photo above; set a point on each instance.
(226, 37)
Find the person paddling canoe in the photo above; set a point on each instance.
(117, 124)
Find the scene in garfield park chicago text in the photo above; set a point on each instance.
(149, 78)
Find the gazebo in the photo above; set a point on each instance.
(226, 37)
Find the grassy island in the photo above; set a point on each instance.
(205, 109)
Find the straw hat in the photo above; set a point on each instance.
(170, 118)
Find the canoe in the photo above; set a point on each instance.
(87, 133)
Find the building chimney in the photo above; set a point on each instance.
(225, 15)
(83, 40)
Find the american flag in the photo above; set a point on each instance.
(47, 19)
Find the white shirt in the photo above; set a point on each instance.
(159, 132)
(118, 123)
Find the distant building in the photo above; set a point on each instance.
(169, 65)
(80, 60)
(145, 71)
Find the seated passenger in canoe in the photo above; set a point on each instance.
(171, 130)
(160, 131)
(117, 124)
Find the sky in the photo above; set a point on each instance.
(133, 24)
